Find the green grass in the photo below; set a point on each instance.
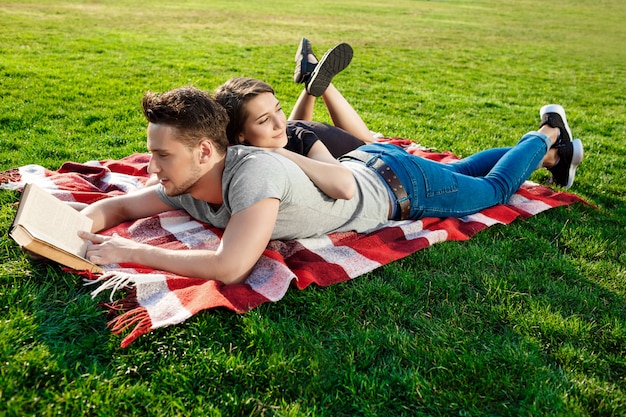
(527, 319)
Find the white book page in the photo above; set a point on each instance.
(50, 219)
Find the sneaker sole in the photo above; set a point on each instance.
(332, 63)
(577, 157)
(555, 108)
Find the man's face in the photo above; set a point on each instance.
(265, 125)
(176, 166)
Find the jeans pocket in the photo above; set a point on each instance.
(437, 180)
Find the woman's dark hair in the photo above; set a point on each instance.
(233, 96)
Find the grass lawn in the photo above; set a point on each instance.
(527, 319)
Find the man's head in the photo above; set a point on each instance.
(194, 114)
(186, 137)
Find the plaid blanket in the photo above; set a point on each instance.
(154, 299)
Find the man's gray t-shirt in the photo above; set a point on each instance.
(252, 174)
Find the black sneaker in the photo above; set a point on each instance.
(332, 63)
(570, 156)
(553, 115)
(304, 68)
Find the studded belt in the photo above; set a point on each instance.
(404, 205)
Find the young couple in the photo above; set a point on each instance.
(232, 187)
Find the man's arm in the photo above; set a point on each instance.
(245, 238)
(112, 211)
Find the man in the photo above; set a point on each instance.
(255, 195)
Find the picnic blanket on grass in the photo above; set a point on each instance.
(154, 299)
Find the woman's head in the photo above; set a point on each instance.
(256, 117)
(192, 112)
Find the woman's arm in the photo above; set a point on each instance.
(326, 172)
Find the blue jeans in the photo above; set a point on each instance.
(467, 186)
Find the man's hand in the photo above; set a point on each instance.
(242, 244)
(105, 250)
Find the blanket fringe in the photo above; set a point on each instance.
(128, 314)
(110, 281)
(139, 318)
(10, 179)
(86, 274)
(127, 303)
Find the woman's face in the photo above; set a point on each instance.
(265, 125)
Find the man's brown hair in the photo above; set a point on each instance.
(193, 112)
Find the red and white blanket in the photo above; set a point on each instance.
(156, 299)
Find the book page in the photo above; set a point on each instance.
(50, 219)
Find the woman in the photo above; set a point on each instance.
(256, 118)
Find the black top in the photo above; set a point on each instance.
(303, 134)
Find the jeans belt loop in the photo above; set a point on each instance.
(388, 176)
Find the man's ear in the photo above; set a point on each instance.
(206, 150)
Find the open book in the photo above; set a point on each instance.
(46, 226)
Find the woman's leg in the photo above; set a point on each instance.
(344, 116)
(481, 163)
(303, 109)
(440, 194)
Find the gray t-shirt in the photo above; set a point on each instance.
(252, 174)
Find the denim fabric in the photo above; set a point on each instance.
(467, 186)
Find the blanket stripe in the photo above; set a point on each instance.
(155, 299)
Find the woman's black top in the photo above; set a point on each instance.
(303, 134)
